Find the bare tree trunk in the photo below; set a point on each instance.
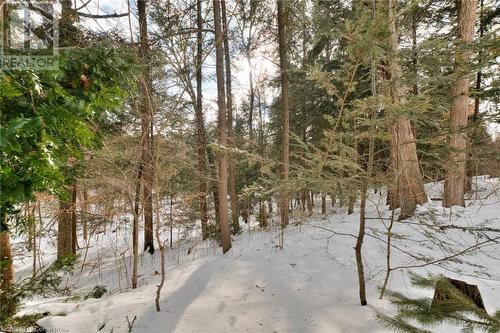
(213, 172)
(471, 167)
(171, 221)
(252, 95)
(85, 211)
(200, 126)
(414, 58)
(230, 133)
(5, 23)
(309, 203)
(135, 227)
(262, 214)
(323, 204)
(33, 232)
(222, 119)
(404, 161)
(261, 149)
(161, 244)
(364, 189)
(7, 268)
(64, 229)
(147, 119)
(74, 238)
(456, 163)
(285, 115)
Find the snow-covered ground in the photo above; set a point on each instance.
(309, 286)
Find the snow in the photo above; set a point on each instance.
(309, 286)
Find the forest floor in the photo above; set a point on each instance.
(309, 286)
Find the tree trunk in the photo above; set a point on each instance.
(146, 110)
(408, 189)
(85, 213)
(33, 239)
(323, 204)
(5, 23)
(222, 129)
(262, 214)
(215, 193)
(135, 227)
(456, 170)
(64, 229)
(200, 125)
(74, 237)
(252, 95)
(476, 124)
(309, 203)
(230, 133)
(7, 268)
(285, 116)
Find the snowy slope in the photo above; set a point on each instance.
(310, 286)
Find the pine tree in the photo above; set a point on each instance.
(456, 309)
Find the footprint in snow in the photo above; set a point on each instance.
(232, 320)
(221, 306)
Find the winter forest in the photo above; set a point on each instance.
(250, 166)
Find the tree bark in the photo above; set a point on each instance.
(471, 165)
(147, 119)
(64, 229)
(7, 268)
(230, 133)
(135, 227)
(408, 189)
(85, 212)
(456, 164)
(200, 124)
(252, 95)
(222, 129)
(213, 172)
(285, 115)
(74, 237)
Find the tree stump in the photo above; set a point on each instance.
(471, 291)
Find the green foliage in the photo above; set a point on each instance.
(456, 309)
(96, 292)
(213, 231)
(49, 117)
(45, 281)
(26, 323)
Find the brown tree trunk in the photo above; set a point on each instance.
(262, 214)
(323, 204)
(309, 203)
(252, 96)
(213, 172)
(85, 212)
(135, 227)
(456, 164)
(230, 133)
(408, 189)
(200, 125)
(74, 238)
(7, 268)
(146, 109)
(64, 229)
(285, 115)
(222, 129)
(476, 124)
(5, 23)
